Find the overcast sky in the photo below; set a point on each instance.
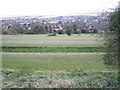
(53, 7)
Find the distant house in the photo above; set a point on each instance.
(55, 28)
(6, 26)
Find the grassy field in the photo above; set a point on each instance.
(41, 61)
(53, 61)
(57, 70)
(44, 43)
(88, 40)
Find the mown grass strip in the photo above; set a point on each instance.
(53, 49)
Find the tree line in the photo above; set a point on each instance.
(35, 28)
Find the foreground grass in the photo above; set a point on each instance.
(81, 80)
(56, 70)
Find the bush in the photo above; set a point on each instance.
(9, 32)
(69, 32)
(84, 31)
(95, 31)
(76, 32)
(60, 32)
(54, 34)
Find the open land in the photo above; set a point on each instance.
(41, 61)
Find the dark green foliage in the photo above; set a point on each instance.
(39, 29)
(36, 29)
(60, 32)
(22, 29)
(76, 32)
(16, 29)
(84, 31)
(54, 34)
(111, 41)
(9, 32)
(53, 49)
(74, 27)
(95, 31)
(68, 32)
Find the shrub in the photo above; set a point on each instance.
(84, 31)
(54, 34)
(69, 32)
(60, 32)
(95, 31)
(76, 32)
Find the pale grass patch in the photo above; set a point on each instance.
(94, 70)
(63, 82)
(10, 70)
(55, 71)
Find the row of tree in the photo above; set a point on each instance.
(34, 28)
(23, 29)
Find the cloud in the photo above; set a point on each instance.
(53, 7)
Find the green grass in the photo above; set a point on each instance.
(57, 71)
(84, 40)
(53, 49)
(59, 43)
(51, 62)
(59, 64)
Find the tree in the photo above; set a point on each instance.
(69, 32)
(36, 29)
(74, 27)
(39, 29)
(60, 32)
(111, 40)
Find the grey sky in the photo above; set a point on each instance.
(53, 7)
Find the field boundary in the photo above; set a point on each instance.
(51, 53)
(53, 49)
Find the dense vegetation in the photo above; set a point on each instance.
(111, 40)
(42, 29)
